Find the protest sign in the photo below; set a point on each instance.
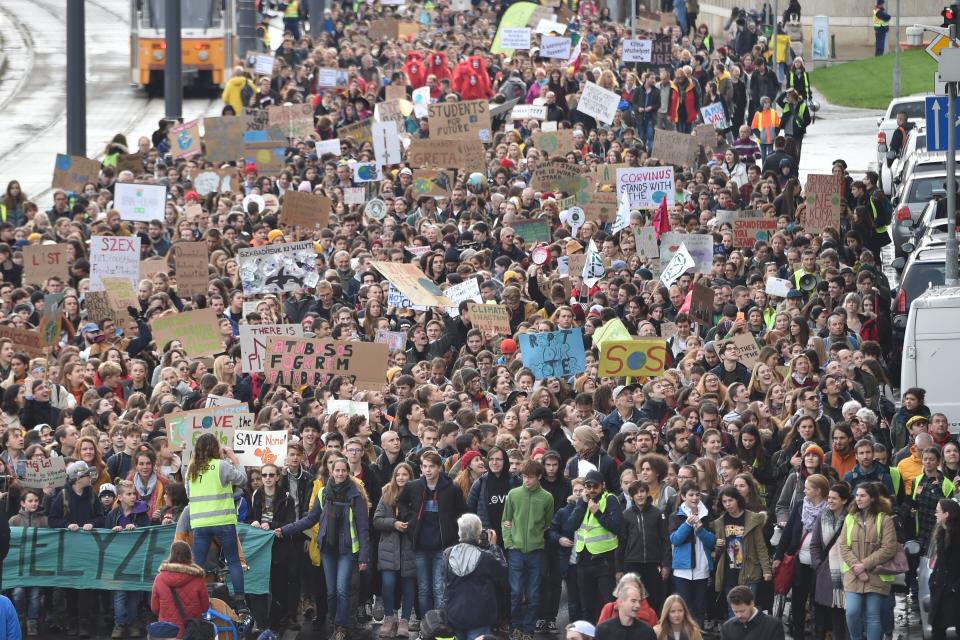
(395, 92)
(546, 26)
(421, 101)
(606, 174)
(198, 331)
(386, 142)
(515, 38)
(278, 267)
(257, 448)
(114, 561)
(466, 155)
(354, 195)
(557, 143)
(357, 132)
(348, 407)
(120, 295)
(114, 256)
(185, 427)
(493, 318)
(602, 207)
(714, 114)
(397, 300)
(752, 226)
(184, 139)
(132, 162)
(305, 210)
(675, 147)
(413, 283)
(295, 120)
(51, 322)
(554, 353)
(528, 111)
(263, 64)
(599, 103)
(532, 231)
(432, 182)
(748, 351)
(395, 340)
(42, 261)
(777, 287)
(152, 266)
(646, 186)
(558, 176)
(213, 400)
(678, 265)
(332, 77)
(637, 50)
(700, 246)
(193, 268)
(267, 160)
(467, 120)
(26, 340)
(548, 126)
(555, 47)
(701, 305)
(72, 173)
(223, 138)
(643, 357)
(331, 147)
(140, 202)
(469, 289)
(302, 361)
(98, 307)
(395, 111)
(253, 342)
(40, 473)
(646, 239)
(822, 197)
(661, 54)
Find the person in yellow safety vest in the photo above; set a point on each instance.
(881, 26)
(596, 521)
(765, 123)
(928, 489)
(808, 267)
(869, 539)
(880, 209)
(343, 514)
(291, 17)
(210, 483)
(799, 79)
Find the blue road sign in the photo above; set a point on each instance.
(937, 126)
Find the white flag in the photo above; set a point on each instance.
(680, 262)
(623, 213)
(593, 268)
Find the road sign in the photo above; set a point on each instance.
(937, 127)
(949, 64)
(936, 45)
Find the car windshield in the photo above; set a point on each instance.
(923, 188)
(194, 14)
(919, 276)
(914, 110)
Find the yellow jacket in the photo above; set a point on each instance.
(231, 92)
(910, 468)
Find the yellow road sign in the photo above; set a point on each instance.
(936, 45)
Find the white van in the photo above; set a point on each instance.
(931, 351)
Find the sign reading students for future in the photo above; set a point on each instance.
(937, 126)
(554, 353)
(121, 561)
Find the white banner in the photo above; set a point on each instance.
(637, 50)
(527, 111)
(328, 146)
(140, 202)
(114, 257)
(515, 38)
(557, 47)
(599, 103)
(681, 261)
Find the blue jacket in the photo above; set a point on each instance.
(11, 626)
(682, 540)
(558, 526)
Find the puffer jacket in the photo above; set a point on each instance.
(472, 577)
(395, 551)
(756, 559)
(864, 547)
(644, 536)
(191, 588)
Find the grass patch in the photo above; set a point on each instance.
(868, 83)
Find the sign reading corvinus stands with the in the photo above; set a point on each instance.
(646, 186)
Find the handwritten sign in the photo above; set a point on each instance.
(114, 256)
(257, 448)
(598, 103)
(515, 38)
(556, 143)
(296, 120)
(566, 178)
(223, 138)
(198, 331)
(305, 210)
(715, 115)
(700, 246)
(645, 357)
(467, 155)
(73, 173)
(42, 261)
(701, 305)
(637, 50)
(187, 426)
(646, 186)
(823, 203)
(555, 47)
(492, 318)
(468, 120)
(253, 342)
(675, 147)
(140, 202)
(301, 361)
(529, 111)
(41, 473)
(532, 231)
(752, 226)
(432, 182)
(413, 283)
(193, 268)
(278, 267)
(395, 340)
(554, 353)
(748, 351)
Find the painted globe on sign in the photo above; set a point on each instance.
(477, 183)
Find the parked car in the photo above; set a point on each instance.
(916, 143)
(915, 108)
(911, 199)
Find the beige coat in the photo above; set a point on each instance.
(865, 548)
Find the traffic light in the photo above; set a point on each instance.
(950, 15)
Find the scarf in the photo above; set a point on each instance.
(335, 505)
(145, 490)
(809, 513)
(829, 523)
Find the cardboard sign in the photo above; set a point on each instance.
(413, 283)
(637, 50)
(606, 174)
(556, 176)
(490, 318)
(557, 143)
(302, 361)
(223, 138)
(533, 231)
(824, 206)
(305, 210)
(98, 307)
(140, 202)
(152, 266)
(358, 132)
(701, 305)
(428, 182)
(646, 239)
(645, 357)
(193, 268)
(132, 162)
(529, 111)
(602, 207)
(598, 103)
(554, 353)
(515, 38)
(354, 195)
(394, 92)
(198, 331)
(296, 120)
(184, 139)
(467, 155)
(752, 226)
(120, 295)
(468, 120)
(42, 261)
(51, 322)
(253, 342)
(257, 448)
(41, 473)
(395, 340)
(646, 186)
(278, 267)
(700, 246)
(185, 427)
(114, 256)
(26, 340)
(675, 147)
(397, 300)
(555, 47)
(747, 348)
(72, 173)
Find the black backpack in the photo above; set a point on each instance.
(193, 628)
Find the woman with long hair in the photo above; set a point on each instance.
(742, 553)
(945, 579)
(179, 572)
(211, 477)
(868, 540)
(751, 449)
(88, 451)
(827, 564)
(395, 557)
(676, 623)
(472, 466)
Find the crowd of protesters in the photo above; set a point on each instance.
(653, 508)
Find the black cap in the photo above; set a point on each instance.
(593, 476)
(541, 413)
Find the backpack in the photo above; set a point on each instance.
(193, 628)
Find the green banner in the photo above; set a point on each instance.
(121, 561)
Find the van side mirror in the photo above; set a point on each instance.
(907, 247)
(898, 263)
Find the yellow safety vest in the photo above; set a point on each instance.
(849, 522)
(591, 534)
(873, 210)
(292, 10)
(354, 539)
(3, 212)
(878, 23)
(211, 503)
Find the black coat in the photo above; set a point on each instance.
(450, 503)
(945, 585)
(284, 512)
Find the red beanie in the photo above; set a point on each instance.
(468, 458)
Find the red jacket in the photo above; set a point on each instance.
(690, 106)
(191, 589)
(437, 65)
(415, 69)
(646, 613)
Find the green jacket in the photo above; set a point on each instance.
(530, 513)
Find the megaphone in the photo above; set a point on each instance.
(809, 282)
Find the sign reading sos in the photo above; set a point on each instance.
(641, 357)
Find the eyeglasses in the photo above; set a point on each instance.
(629, 440)
(354, 450)
(268, 475)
